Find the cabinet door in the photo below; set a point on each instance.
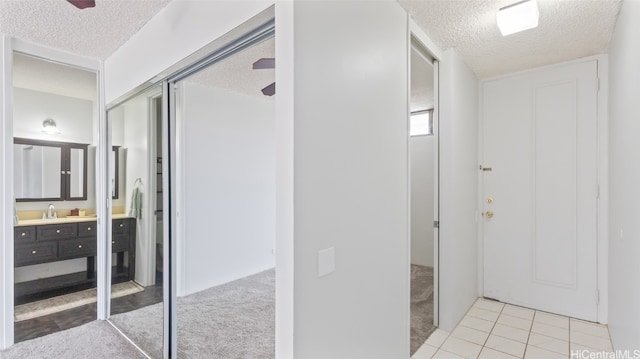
(24, 234)
(87, 229)
(38, 252)
(57, 231)
(120, 226)
(78, 247)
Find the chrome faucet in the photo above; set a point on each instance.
(51, 215)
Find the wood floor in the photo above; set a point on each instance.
(37, 327)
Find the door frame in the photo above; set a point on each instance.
(602, 254)
(9, 46)
(153, 154)
(417, 34)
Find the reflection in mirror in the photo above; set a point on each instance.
(136, 287)
(224, 258)
(49, 171)
(423, 149)
(77, 173)
(55, 245)
(114, 171)
(37, 172)
(76, 160)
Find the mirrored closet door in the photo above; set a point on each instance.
(136, 183)
(226, 235)
(198, 223)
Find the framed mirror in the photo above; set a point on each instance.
(49, 171)
(76, 172)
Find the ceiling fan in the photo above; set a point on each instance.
(82, 4)
(266, 63)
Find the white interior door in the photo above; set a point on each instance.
(540, 189)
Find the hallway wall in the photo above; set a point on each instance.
(624, 156)
(458, 189)
(351, 179)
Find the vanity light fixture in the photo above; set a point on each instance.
(49, 127)
(518, 17)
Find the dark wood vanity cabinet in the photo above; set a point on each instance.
(57, 242)
(123, 239)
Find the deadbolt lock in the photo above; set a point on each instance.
(489, 200)
(489, 214)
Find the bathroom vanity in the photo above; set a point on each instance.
(38, 241)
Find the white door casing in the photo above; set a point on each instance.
(540, 159)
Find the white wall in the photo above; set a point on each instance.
(624, 246)
(422, 199)
(228, 166)
(351, 179)
(73, 116)
(458, 189)
(177, 31)
(135, 137)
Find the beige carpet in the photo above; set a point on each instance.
(95, 340)
(421, 305)
(235, 320)
(63, 302)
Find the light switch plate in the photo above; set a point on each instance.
(326, 261)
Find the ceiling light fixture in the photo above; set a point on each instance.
(49, 127)
(518, 17)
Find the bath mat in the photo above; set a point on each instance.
(63, 302)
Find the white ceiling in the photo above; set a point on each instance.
(568, 29)
(95, 32)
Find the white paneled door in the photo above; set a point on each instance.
(540, 189)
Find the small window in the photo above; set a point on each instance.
(421, 123)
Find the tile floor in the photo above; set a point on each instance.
(493, 330)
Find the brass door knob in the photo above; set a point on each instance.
(489, 214)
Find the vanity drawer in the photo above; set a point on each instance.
(120, 243)
(24, 234)
(57, 231)
(77, 247)
(87, 229)
(120, 226)
(40, 252)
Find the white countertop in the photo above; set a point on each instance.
(70, 219)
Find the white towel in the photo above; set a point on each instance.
(135, 209)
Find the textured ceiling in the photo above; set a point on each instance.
(236, 73)
(568, 29)
(45, 76)
(94, 32)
